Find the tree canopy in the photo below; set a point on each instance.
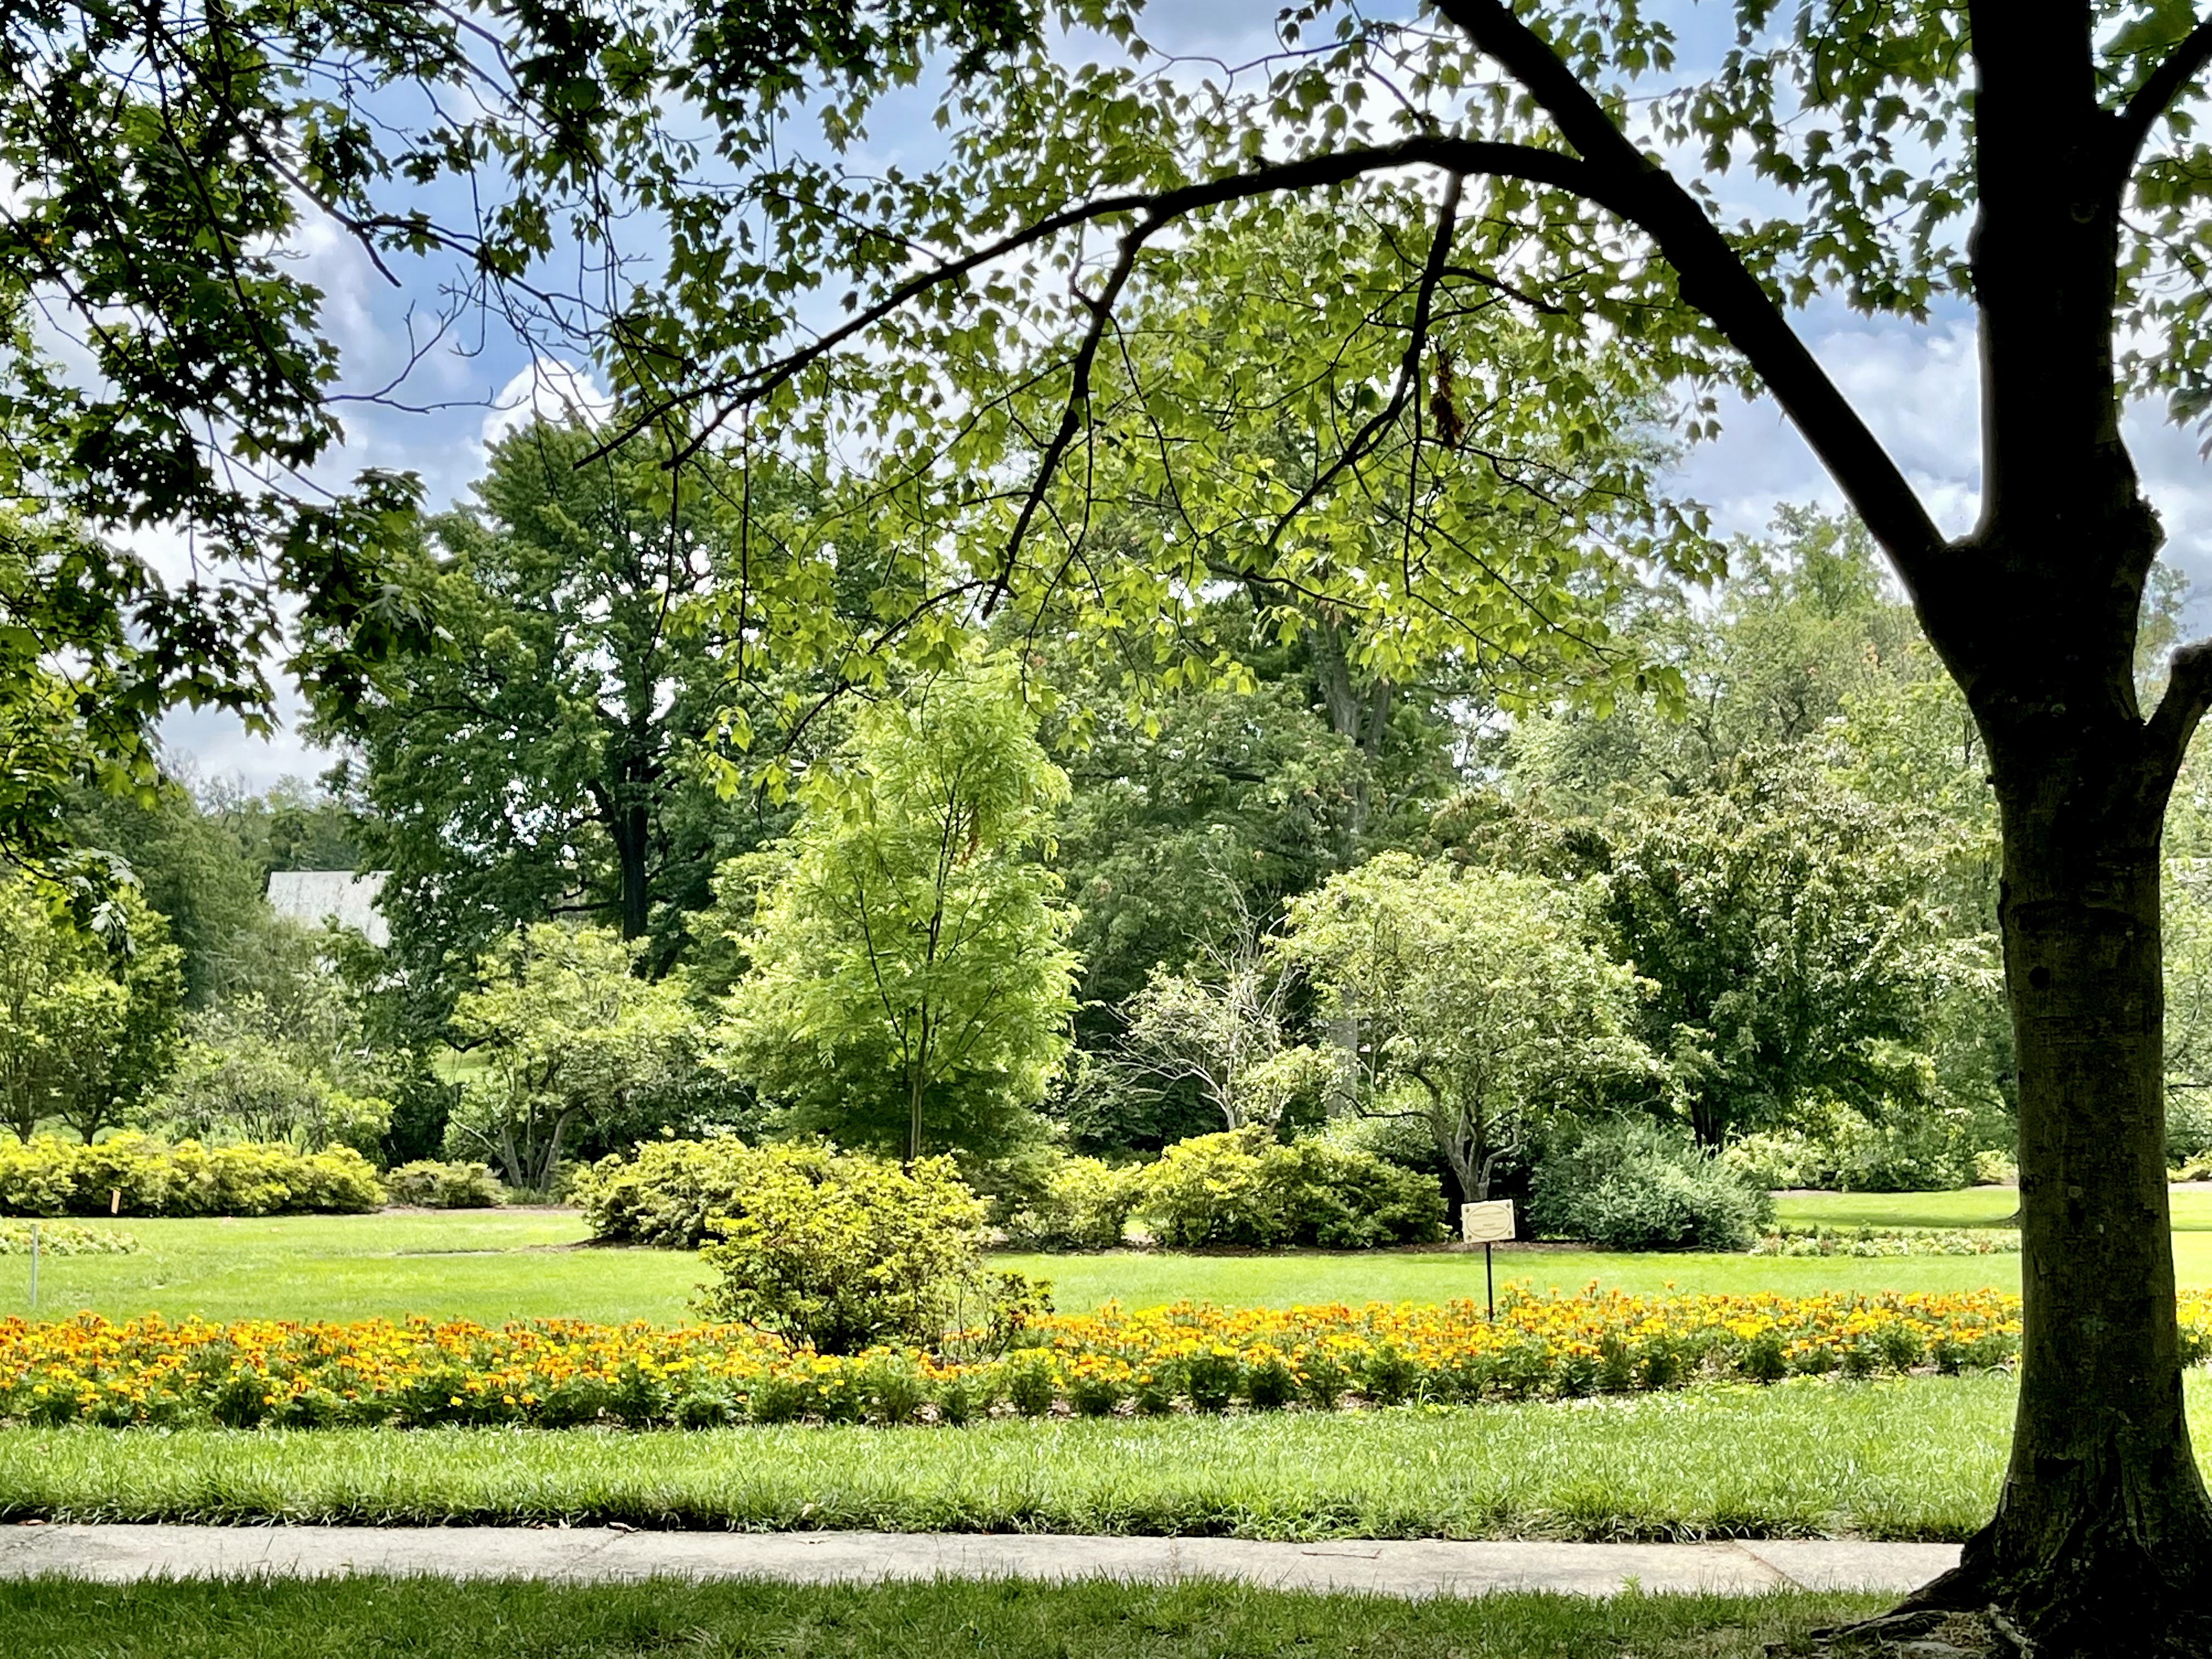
(909, 979)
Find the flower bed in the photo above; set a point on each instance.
(563, 1373)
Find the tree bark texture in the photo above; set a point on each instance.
(2102, 1540)
(2102, 1534)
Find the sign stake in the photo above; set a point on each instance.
(1484, 1225)
(34, 1267)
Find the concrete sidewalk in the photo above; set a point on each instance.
(1411, 1567)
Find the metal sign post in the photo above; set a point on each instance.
(34, 1267)
(1487, 1225)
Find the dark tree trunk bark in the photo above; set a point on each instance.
(2102, 1537)
(632, 844)
(2102, 1540)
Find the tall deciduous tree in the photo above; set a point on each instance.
(548, 760)
(1537, 155)
(1484, 990)
(910, 979)
(1788, 929)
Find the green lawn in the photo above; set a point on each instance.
(368, 1617)
(1906, 1459)
(520, 1264)
(1977, 1207)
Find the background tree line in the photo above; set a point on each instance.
(1458, 928)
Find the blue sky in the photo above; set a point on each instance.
(1916, 385)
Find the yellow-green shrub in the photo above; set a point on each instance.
(137, 1175)
(666, 1191)
(1245, 1188)
(841, 1251)
(1047, 1201)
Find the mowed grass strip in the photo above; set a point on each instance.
(496, 1266)
(1915, 1458)
(364, 1616)
(1972, 1207)
(499, 1266)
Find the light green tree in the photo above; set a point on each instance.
(88, 1023)
(571, 1040)
(1484, 1006)
(910, 981)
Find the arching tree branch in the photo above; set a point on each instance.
(1461, 155)
(1716, 281)
(2188, 697)
(2156, 94)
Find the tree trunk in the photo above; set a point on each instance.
(2102, 1538)
(633, 838)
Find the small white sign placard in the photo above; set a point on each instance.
(1487, 1223)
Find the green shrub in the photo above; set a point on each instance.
(437, 1186)
(840, 1251)
(1632, 1185)
(664, 1193)
(1933, 1150)
(136, 1175)
(1782, 1162)
(1244, 1188)
(240, 1084)
(2188, 1127)
(1044, 1200)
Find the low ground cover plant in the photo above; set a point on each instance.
(1186, 1356)
(64, 1238)
(433, 1185)
(1878, 1242)
(133, 1174)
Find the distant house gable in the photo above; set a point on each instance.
(311, 897)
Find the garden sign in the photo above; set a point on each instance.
(1487, 1225)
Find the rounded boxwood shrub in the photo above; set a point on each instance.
(1635, 1185)
(1042, 1199)
(666, 1192)
(844, 1251)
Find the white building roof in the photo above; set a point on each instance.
(316, 897)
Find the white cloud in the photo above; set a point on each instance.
(549, 390)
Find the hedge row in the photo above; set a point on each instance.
(137, 1175)
(1242, 1188)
